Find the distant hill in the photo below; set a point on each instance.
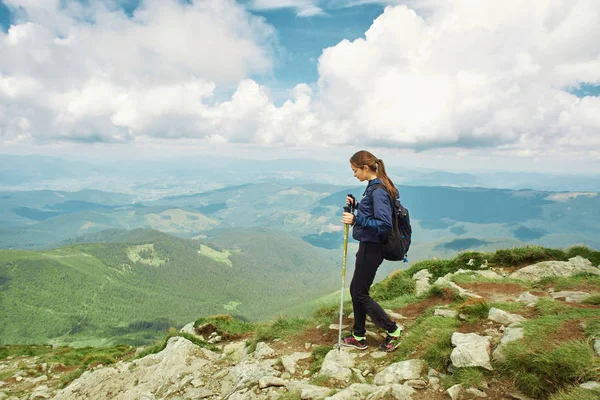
(133, 285)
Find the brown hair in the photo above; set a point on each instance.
(363, 157)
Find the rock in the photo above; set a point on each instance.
(510, 335)
(337, 364)
(40, 392)
(198, 393)
(597, 346)
(591, 385)
(214, 338)
(263, 350)
(247, 373)
(289, 362)
(356, 391)
(189, 329)
(434, 382)
(446, 282)
(197, 382)
(394, 391)
(518, 396)
(476, 392)
(336, 327)
(268, 381)
(527, 298)
(307, 391)
(422, 278)
(42, 378)
(574, 266)
(394, 315)
(399, 372)
(417, 384)
(446, 313)
(235, 351)
(503, 317)
(570, 297)
(471, 350)
(455, 391)
(156, 374)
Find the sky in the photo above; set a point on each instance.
(462, 85)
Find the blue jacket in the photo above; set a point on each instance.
(373, 223)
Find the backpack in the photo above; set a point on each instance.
(395, 246)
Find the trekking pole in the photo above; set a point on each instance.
(346, 228)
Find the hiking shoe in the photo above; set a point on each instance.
(352, 341)
(391, 343)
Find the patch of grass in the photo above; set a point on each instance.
(595, 300)
(7, 374)
(542, 371)
(511, 307)
(576, 281)
(576, 393)
(401, 301)
(519, 256)
(475, 308)
(325, 315)
(592, 328)
(226, 324)
(396, 284)
(293, 395)
(24, 350)
(585, 252)
(318, 355)
(280, 328)
(469, 376)
(429, 337)
(447, 293)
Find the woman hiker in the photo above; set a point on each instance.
(372, 222)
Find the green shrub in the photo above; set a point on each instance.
(395, 285)
(526, 255)
(475, 308)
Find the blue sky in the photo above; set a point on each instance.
(457, 84)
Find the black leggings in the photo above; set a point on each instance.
(368, 258)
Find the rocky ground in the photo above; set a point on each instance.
(285, 369)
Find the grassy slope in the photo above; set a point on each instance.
(90, 291)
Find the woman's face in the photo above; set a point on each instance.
(360, 173)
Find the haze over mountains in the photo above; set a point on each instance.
(139, 246)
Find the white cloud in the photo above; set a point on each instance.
(472, 74)
(303, 8)
(95, 74)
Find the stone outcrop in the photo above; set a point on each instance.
(574, 266)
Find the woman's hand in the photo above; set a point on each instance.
(351, 201)
(347, 218)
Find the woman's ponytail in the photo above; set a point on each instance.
(376, 165)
